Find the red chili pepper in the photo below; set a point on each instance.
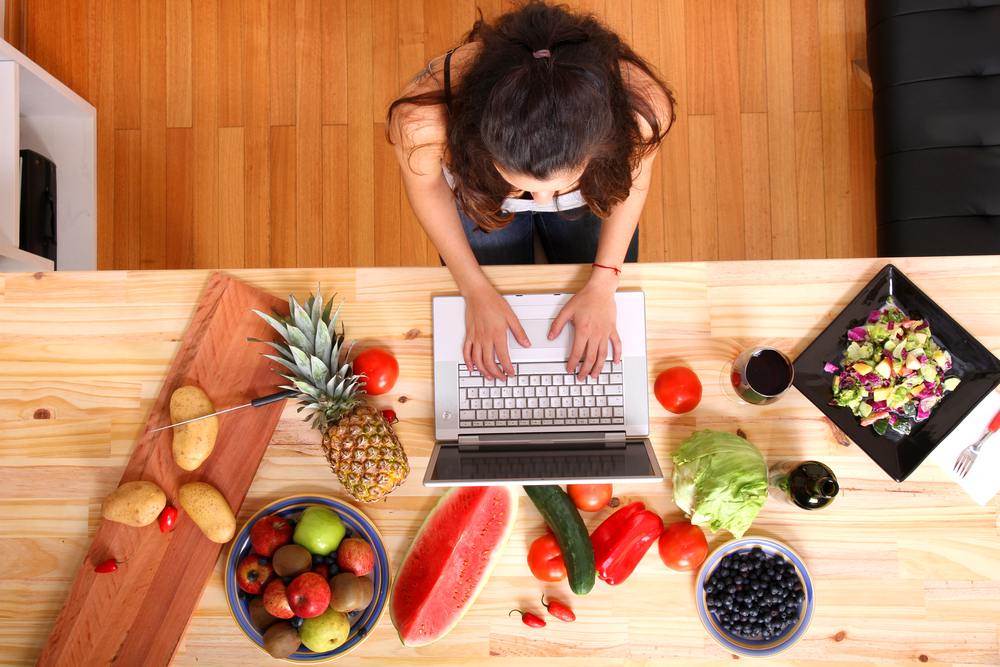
(529, 619)
(559, 610)
(621, 541)
(110, 565)
(390, 416)
(168, 518)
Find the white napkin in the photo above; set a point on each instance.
(983, 480)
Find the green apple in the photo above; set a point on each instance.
(325, 632)
(319, 530)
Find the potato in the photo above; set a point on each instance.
(192, 442)
(134, 504)
(206, 506)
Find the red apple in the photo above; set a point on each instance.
(355, 555)
(252, 576)
(270, 533)
(308, 595)
(322, 570)
(276, 600)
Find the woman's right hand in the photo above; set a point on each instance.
(487, 318)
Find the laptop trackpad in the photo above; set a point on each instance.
(538, 334)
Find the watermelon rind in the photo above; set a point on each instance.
(453, 540)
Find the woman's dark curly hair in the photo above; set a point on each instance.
(542, 116)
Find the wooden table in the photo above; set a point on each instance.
(903, 572)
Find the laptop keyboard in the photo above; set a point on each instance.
(511, 466)
(541, 394)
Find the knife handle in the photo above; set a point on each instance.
(273, 398)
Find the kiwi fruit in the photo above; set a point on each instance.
(346, 592)
(260, 618)
(367, 593)
(281, 640)
(292, 560)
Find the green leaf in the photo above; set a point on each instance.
(323, 344)
(302, 319)
(281, 348)
(328, 309)
(287, 364)
(320, 373)
(302, 361)
(278, 326)
(316, 311)
(299, 340)
(306, 388)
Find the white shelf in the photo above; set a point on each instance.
(40, 113)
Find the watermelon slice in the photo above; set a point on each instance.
(450, 560)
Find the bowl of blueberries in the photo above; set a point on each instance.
(755, 597)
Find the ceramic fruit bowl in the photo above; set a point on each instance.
(784, 569)
(358, 525)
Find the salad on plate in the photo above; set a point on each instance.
(893, 373)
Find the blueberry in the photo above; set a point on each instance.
(242, 594)
(348, 533)
(333, 569)
(263, 561)
(318, 559)
(331, 558)
(286, 580)
(362, 632)
(353, 613)
(297, 621)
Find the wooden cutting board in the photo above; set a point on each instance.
(138, 615)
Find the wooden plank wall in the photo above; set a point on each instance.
(250, 133)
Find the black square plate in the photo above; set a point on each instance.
(898, 454)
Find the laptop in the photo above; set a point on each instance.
(542, 426)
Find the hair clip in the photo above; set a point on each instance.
(543, 53)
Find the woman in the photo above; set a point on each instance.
(541, 117)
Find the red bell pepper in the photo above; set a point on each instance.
(622, 540)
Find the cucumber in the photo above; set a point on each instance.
(564, 519)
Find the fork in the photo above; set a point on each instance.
(968, 456)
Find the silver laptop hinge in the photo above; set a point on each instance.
(611, 438)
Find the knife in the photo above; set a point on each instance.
(257, 402)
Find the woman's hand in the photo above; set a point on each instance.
(594, 314)
(487, 318)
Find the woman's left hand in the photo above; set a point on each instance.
(594, 314)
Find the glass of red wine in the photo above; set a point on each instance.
(758, 375)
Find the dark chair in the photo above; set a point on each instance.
(935, 70)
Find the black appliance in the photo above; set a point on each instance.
(38, 205)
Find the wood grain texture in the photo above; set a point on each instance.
(128, 236)
(809, 176)
(257, 64)
(179, 65)
(283, 196)
(101, 621)
(230, 67)
(901, 570)
(308, 134)
(180, 205)
(231, 200)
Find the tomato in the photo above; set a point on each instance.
(678, 389)
(589, 497)
(380, 369)
(683, 546)
(545, 559)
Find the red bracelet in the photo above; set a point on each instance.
(601, 266)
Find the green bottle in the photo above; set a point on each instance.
(808, 485)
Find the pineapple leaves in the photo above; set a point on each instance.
(278, 326)
(306, 388)
(324, 344)
(302, 319)
(320, 372)
(303, 363)
(287, 364)
(300, 341)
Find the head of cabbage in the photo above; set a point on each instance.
(720, 480)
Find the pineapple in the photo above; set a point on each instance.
(357, 439)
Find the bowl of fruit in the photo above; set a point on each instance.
(755, 597)
(307, 578)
